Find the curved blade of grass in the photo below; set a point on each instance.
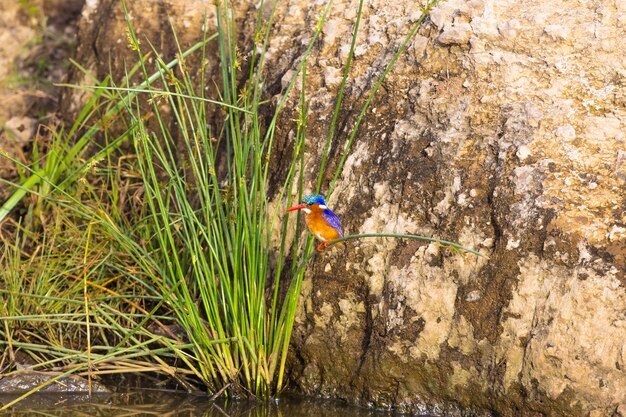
(441, 242)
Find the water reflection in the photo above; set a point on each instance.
(147, 403)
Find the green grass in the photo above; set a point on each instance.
(162, 260)
(210, 247)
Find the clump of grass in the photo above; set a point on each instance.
(210, 253)
(186, 242)
(67, 307)
(203, 259)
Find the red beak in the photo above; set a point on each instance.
(298, 207)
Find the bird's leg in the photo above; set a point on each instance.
(322, 247)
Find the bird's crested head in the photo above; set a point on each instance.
(314, 198)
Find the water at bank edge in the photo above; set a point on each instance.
(144, 403)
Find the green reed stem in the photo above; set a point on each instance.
(444, 243)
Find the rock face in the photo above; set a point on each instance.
(502, 128)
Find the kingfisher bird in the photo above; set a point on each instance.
(321, 221)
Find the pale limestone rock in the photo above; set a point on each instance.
(332, 76)
(509, 29)
(21, 129)
(566, 132)
(557, 32)
(457, 34)
(351, 313)
(485, 28)
(523, 152)
(418, 47)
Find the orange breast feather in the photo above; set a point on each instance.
(318, 226)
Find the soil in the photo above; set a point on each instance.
(37, 38)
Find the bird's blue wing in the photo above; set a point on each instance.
(332, 219)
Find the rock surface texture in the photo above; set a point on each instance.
(502, 128)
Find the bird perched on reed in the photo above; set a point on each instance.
(321, 221)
